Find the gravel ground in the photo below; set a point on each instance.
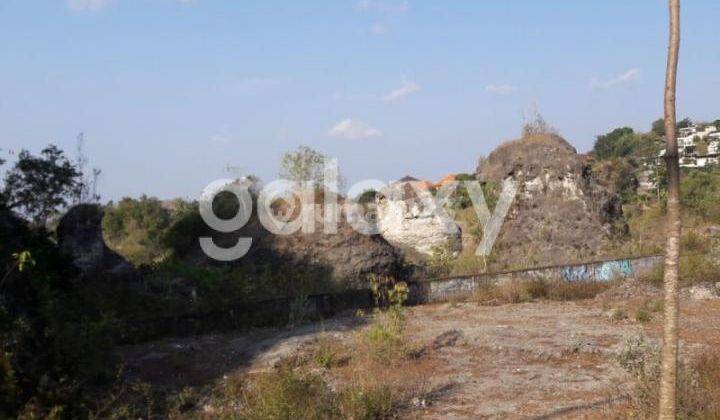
(530, 360)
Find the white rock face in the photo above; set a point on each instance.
(568, 186)
(406, 222)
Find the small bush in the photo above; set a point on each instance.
(692, 242)
(619, 314)
(327, 352)
(362, 402)
(642, 315)
(134, 228)
(698, 382)
(440, 262)
(694, 269)
(657, 305)
(383, 341)
(287, 393)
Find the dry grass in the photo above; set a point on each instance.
(289, 392)
(329, 352)
(373, 381)
(698, 382)
(694, 269)
(517, 291)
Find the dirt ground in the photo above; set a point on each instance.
(528, 360)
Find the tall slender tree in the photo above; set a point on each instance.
(668, 384)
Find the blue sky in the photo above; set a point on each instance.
(170, 92)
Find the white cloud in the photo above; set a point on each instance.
(378, 29)
(407, 89)
(353, 130)
(501, 89)
(383, 6)
(625, 78)
(87, 5)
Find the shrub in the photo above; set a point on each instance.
(518, 291)
(620, 142)
(698, 382)
(694, 269)
(383, 342)
(135, 228)
(642, 315)
(441, 260)
(298, 310)
(287, 393)
(368, 196)
(618, 314)
(700, 193)
(563, 291)
(366, 403)
(327, 352)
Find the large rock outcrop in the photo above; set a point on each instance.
(406, 222)
(348, 256)
(344, 259)
(563, 210)
(80, 236)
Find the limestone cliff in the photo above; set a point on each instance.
(563, 210)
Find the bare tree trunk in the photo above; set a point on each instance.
(668, 382)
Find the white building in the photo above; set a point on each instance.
(689, 138)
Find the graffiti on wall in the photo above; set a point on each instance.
(604, 271)
(575, 273)
(611, 269)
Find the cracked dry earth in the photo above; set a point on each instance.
(529, 360)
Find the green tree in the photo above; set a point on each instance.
(684, 123)
(39, 186)
(716, 123)
(368, 196)
(658, 127)
(700, 193)
(303, 164)
(135, 228)
(620, 142)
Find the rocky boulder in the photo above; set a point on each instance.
(564, 210)
(407, 222)
(348, 256)
(344, 259)
(80, 236)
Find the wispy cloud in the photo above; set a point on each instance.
(408, 88)
(628, 77)
(501, 89)
(348, 129)
(87, 5)
(383, 6)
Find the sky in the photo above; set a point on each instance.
(173, 94)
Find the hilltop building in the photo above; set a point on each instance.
(698, 146)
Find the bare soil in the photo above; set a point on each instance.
(529, 360)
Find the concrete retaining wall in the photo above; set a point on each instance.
(275, 312)
(443, 289)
